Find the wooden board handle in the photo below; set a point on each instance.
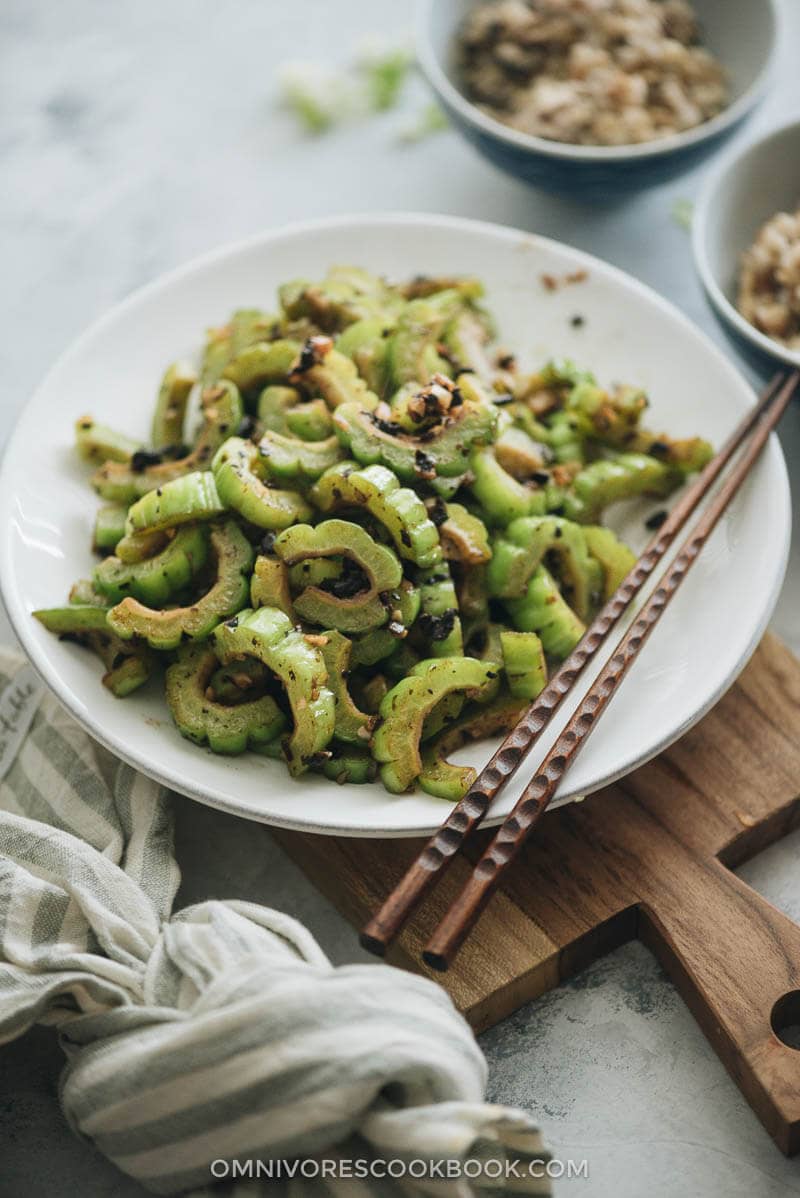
(736, 960)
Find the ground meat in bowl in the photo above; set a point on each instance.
(591, 72)
(769, 284)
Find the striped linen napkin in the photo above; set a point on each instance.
(218, 1041)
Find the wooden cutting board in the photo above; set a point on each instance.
(649, 857)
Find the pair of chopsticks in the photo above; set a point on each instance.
(750, 437)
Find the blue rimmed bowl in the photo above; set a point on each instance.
(743, 34)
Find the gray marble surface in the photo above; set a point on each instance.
(133, 137)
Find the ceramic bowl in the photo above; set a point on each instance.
(742, 33)
(749, 187)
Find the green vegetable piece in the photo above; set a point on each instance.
(314, 572)
(139, 546)
(418, 409)
(272, 749)
(289, 459)
(262, 363)
(352, 726)
(686, 456)
(274, 403)
(349, 765)
(181, 501)
(310, 421)
(527, 422)
(563, 374)
(440, 777)
(225, 729)
(403, 605)
(464, 537)
(543, 609)
(158, 578)
(365, 343)
(566, 437)
(109, 527)
(502, 497)
(443, 779)
(398, 509)
(611, 417)
(472, 592)
(357, 612)
(324, 371)
(74, 620)
(523, 547)
(216, 355)
(367, 335)
(173, 396)
(84, 592)
(491, 648)
(468, 287)
(524, 664)
(404, 709)
(610, 479)
(269, 635)
(511, 567)
(466, 338)
(228, 595)
(446, 488)
(222, 412)
(444, 450)
(345, 295)
(239, 681)
(239, 487)
(269, 586)
(518, 453)
(412, 354)
(415, 409)
(372, 647)
(439, 621)
(250, 326)
(99, 443)
(247, 326)
(370, 691)
(127, 666)
(446, 711)
(615, 558)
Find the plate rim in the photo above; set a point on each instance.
(19, 619)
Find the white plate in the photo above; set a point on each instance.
(704, 640)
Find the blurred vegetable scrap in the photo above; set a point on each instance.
(316, 95)
(682, 213)
(430, 120)
(322, 95)
(384, 69)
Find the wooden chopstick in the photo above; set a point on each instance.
(443, 846)
(534, 800)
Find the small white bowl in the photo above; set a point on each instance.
(749, 187)
(743, 34)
